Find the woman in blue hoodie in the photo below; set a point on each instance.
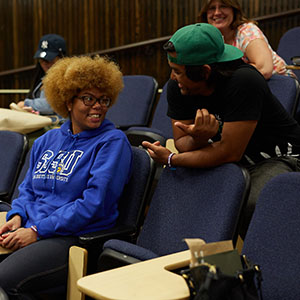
(76, 176)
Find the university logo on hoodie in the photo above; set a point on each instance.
(60, 166)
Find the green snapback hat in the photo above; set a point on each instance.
(200, 44)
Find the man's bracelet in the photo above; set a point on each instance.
(169, 161)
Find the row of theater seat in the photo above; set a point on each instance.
(185, 203)
(142, 113)
(207, 204)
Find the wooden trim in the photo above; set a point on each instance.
(149, 42)
(18, 70)
(131, 46)
(278, 15)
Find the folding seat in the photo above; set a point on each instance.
(13, 149)
(135, 102)
(289, 46)
(160, 128)
(273, 238)
(187, 203)
(286, 89)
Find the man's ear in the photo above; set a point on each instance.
(206, 71)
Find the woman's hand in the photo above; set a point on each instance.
(18, 239)
(20, 104)
(13, 224)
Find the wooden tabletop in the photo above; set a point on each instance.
(2, 221)
(293, 67)
(149, 279)
(14, 91)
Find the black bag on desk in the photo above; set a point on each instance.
(224, 276)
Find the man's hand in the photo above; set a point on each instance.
(205, 126)
(159, 153)
(194, 134)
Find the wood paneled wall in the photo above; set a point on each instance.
(93, 25)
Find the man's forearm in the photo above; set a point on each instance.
(188, 143)
(210, 156)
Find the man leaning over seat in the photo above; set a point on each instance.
(223, 111)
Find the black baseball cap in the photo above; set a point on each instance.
(50, 46)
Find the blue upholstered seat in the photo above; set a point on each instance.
(273, 237)
(289, 46)
(161, 127)
(13, 148)
(286, 89)
(187, 203)
(135, 102)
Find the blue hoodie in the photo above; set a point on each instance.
(74, 181)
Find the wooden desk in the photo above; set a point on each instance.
(14, 91)
(293, 67)
(141, 281)
(3, 221)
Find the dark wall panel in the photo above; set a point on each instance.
(94, 25)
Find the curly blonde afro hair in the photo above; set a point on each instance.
(70, 75)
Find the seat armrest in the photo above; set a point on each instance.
(111, 259)
(137, 135)
(99, 237)
(3, 295)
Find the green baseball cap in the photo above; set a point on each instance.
(200, 44)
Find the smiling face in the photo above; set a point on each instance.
(85, 117)
(220, 15)
(186, 85)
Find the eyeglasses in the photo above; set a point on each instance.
(219, 7)
(91, 101)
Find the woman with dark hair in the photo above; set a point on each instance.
(51, 48)
(243, 33)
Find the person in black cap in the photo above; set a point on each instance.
(51, 48)
(222, 111)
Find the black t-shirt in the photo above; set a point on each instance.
(242, 97)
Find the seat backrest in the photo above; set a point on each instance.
(136, 193)
(289, 46)
(160, 119)
(135, 102)
(273, 238)
(22, 175)
(161, 126)
(13, 149)
(286, 90)
(190, 203)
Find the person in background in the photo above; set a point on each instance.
(51, 48)
(76, 176)
(222, 111)
(243, 33)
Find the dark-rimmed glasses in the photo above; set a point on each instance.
(91, 101)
